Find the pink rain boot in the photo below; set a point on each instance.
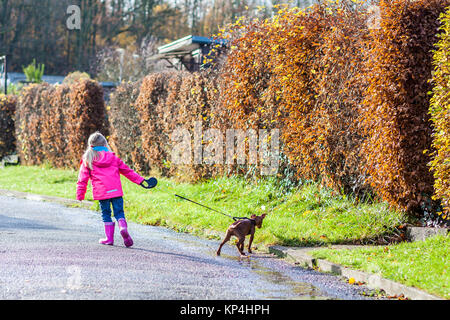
(109, 232)
(124, 232)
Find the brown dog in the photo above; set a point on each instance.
(240, 229)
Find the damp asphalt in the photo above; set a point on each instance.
(49, 251)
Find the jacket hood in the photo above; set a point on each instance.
(106, 159)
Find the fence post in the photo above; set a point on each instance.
(6, 73)
(4, 61)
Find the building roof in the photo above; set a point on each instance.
(187, 45)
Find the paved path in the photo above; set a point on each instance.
(48, 251)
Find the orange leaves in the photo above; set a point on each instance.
(162, 104)
(125, 138)
(350, 100)
(86, 114)
(395, 110)
(53, 123)
(295, 67)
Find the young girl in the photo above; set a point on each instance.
(103, 168)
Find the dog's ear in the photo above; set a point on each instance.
(253, 216)
(263, 215)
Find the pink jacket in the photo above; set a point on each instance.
(105, 176)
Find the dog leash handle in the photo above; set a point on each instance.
(151, 183)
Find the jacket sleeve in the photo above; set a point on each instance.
(129, 173)
(83, 179)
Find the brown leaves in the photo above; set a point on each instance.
(53, 123)
(395, 110)
(167, 101)
(297, 72)
(7, 128)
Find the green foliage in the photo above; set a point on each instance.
(34, 72)
(76, 76)
(307, 215)
(421, 264)
(14, 89)
(440, 115)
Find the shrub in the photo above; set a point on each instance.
(152, 92)
(86, 115)
(166, 101)
(395, 109)
(298, 72)
(34, 72)
(75, 76)
(53, 134)
(440, 115)
(126, 137)
(28, 124)
(53, 123)
(7, 128)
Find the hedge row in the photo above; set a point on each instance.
(54, 122)
(125, 137)
(348, 90)
(144, 116)
(297, 72)
(7, 136)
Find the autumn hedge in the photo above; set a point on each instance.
(298, 72)
(395, 115)
(169, 101)
(54, 122)
(347, 87)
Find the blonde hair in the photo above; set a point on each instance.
(95, 140)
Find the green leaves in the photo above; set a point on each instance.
(34, 72)
(440, 116)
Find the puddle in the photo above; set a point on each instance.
(278, 284)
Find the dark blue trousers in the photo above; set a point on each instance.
(117, 206)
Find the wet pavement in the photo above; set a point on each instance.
(48, 251)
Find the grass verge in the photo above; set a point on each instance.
(421, 264)
(305, 216)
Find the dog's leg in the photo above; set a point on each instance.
(240, 245)
(227, 237)
(250, 243)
